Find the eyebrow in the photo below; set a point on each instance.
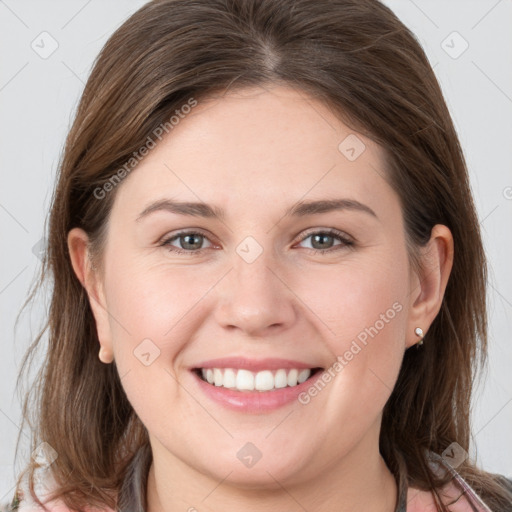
(301, 209)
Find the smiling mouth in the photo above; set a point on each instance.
(265, 380)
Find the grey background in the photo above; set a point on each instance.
(38, 97)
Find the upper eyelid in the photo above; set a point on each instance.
(332, 231)
(183, 232)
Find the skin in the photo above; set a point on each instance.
(256, 152)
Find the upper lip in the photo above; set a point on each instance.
(253, 364)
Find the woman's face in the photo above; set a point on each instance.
(265, 283)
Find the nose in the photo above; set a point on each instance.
(255, 299)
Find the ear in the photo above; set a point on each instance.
(78, 245)
(428, 287)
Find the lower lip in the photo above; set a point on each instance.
(254, 401)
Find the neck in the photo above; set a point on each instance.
(357, 482)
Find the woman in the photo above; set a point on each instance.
(217, 147)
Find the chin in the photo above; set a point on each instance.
(266, 474)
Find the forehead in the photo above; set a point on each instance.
(260, 146)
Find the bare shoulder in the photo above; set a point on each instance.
(423, 501)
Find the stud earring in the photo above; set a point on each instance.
(419, 332)
(104, 356)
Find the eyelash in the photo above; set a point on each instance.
(345, 242)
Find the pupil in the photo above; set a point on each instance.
(186, 238)
(321, 237)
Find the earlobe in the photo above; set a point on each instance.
(428, 288)
(105, 355)
(78, 246)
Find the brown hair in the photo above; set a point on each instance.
(361, 61)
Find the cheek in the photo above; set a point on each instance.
(149, 321)
(362, 311)
(359, 299)
(155, 312)
(152, 301)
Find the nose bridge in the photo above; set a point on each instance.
(253, 297)
(254, 270)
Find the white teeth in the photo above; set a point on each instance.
(217, 377)
(264, 381)
(292, 377)
(229, 378)
(303, 376)
(280, 380)
(245, 380)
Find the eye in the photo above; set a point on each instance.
(322, 241)
(189, 242)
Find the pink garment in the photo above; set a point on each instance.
(419, 501)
